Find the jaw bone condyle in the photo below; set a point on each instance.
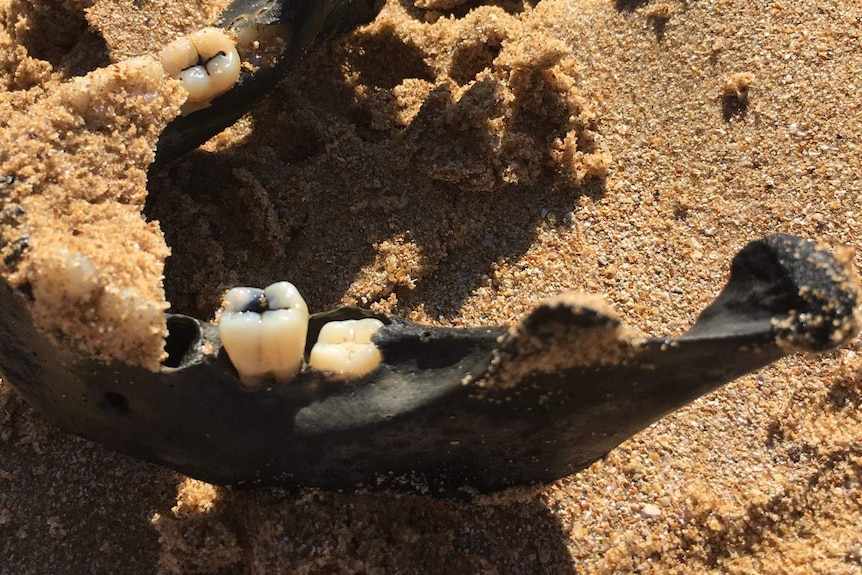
(264, 334)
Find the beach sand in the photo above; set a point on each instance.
(456, 168)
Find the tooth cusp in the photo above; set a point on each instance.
(179, 55)
(345, 349)
(264, 331)
(284, 295)
(207, 64)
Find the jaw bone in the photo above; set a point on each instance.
(345, 350)
(451, 411)
(207, 64)
(264, 331)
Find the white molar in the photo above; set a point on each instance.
(207, 64)
(345, 350)
(264, 331)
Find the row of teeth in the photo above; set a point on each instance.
(264, 333)
(206, 62)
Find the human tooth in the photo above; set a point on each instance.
(344, 348)
(264, 331)
(207, 64)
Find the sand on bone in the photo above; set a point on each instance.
(425, 166)
(75, 162)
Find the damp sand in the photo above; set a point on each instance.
(457, 168)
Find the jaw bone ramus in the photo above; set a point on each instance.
(447, 411)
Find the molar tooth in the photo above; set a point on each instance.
(269, 343)
(285, 329)
(206, 62)
(344, 348)
(241, 338)
(244, 29)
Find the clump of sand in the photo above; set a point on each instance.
(74, 162)
(586, 333)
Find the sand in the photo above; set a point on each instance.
(457, 168)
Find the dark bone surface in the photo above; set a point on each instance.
(440, 415)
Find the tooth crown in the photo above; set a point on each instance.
(344, 348)
(350, 331)
(206, 62)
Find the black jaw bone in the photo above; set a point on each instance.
(450, 412)
(310, 22)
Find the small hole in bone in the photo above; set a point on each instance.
(183, 333)
(116, 402)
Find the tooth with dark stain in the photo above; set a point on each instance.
(207, 64)
(264, 331)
